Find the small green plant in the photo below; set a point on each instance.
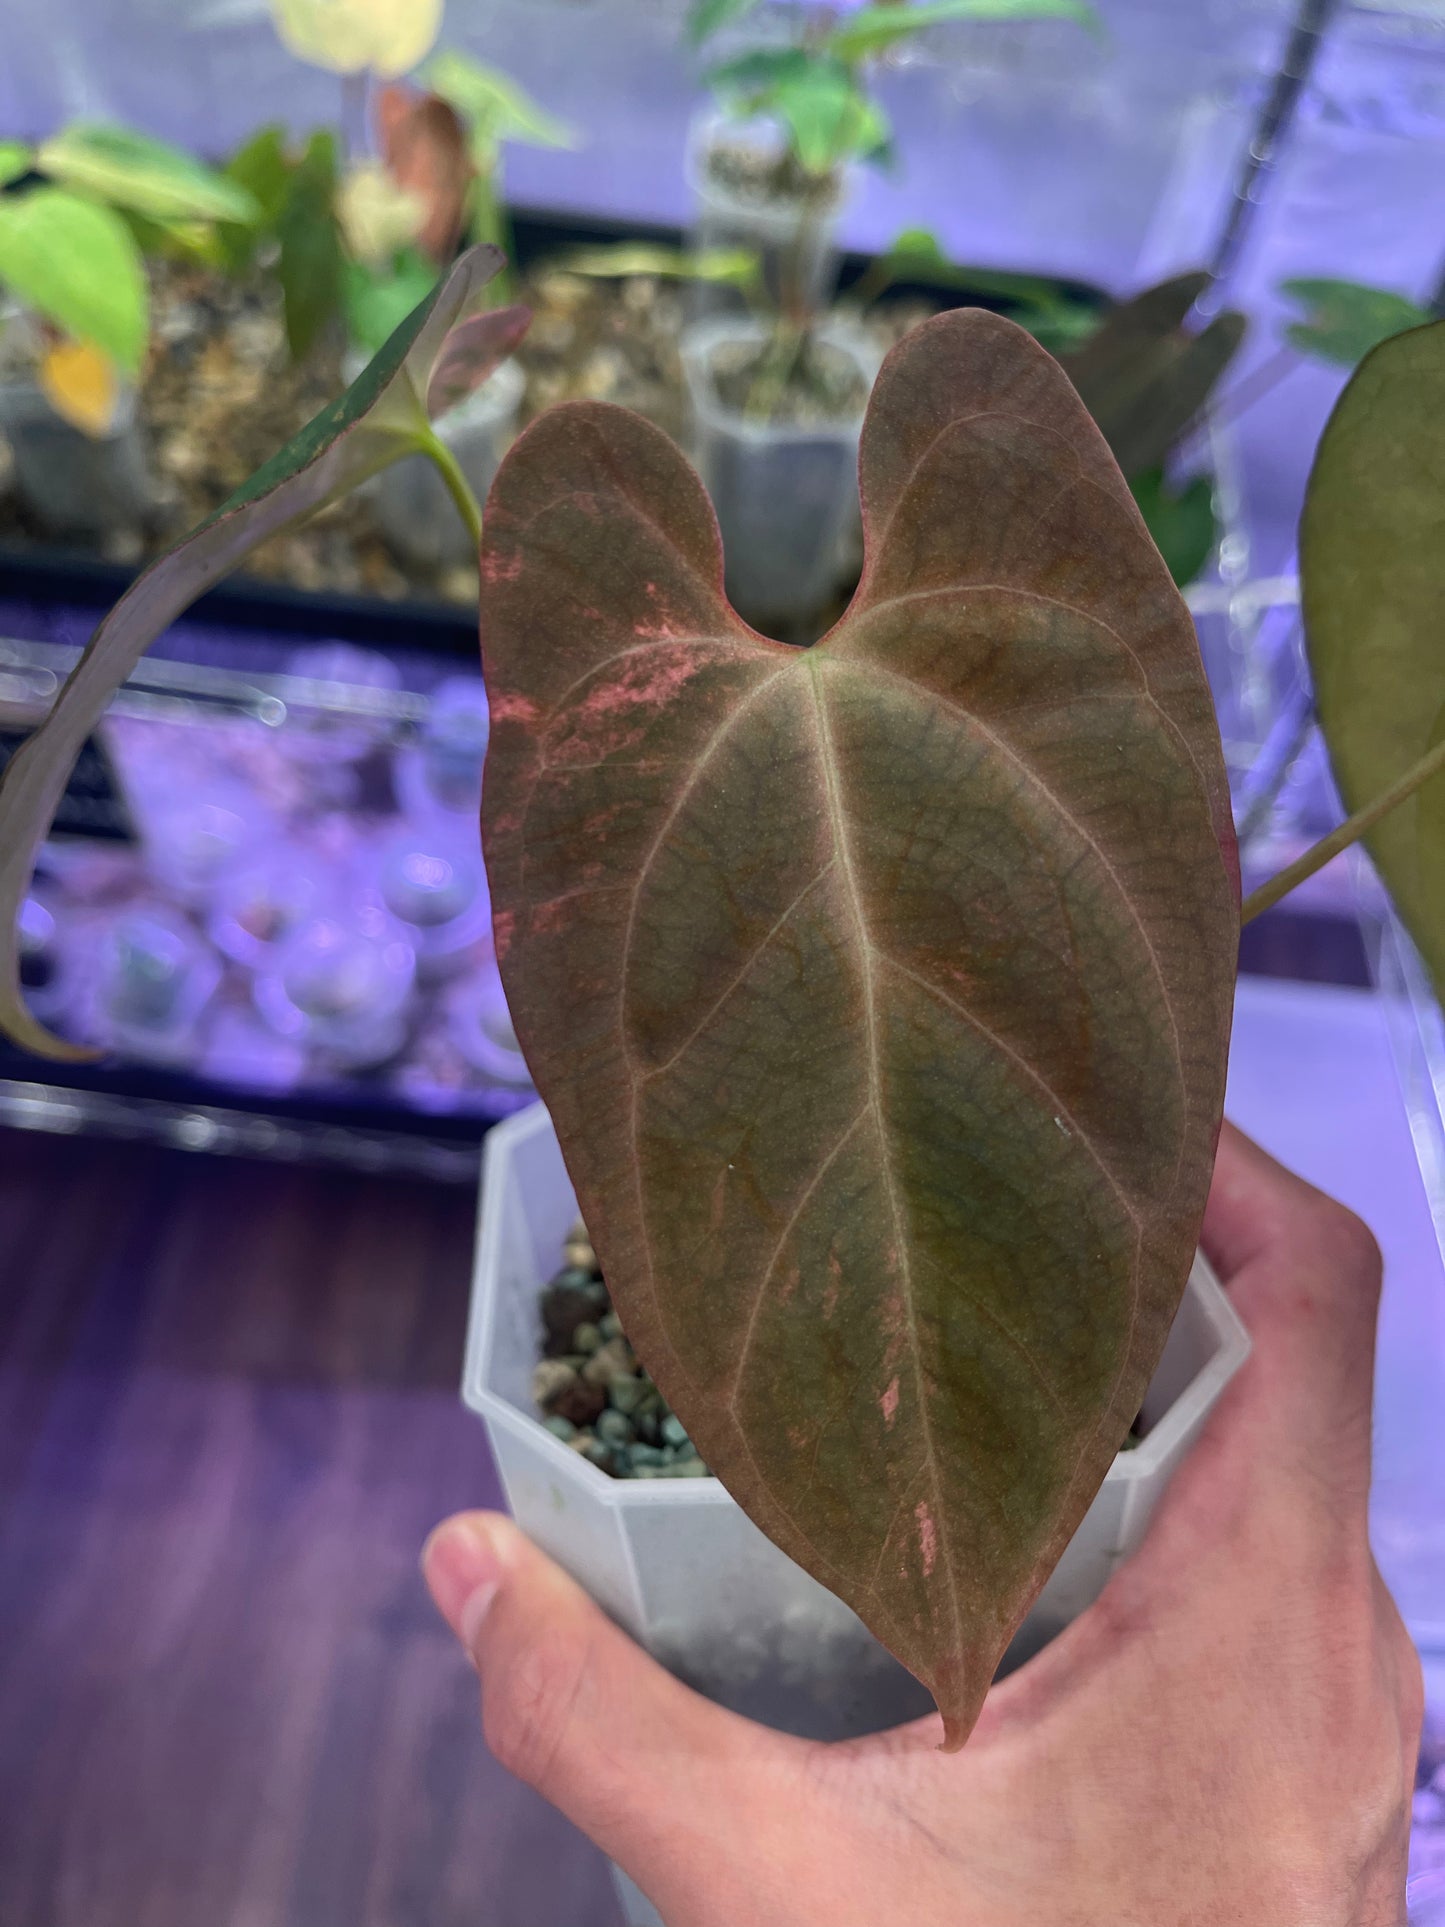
(880, 991)
(816, 92)
(817, 88)
(83, 210)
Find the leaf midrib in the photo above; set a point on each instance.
(843, 850)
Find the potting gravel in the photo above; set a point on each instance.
(589, 1386)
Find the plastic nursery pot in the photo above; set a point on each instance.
(793, 237)
(683, 1569)
(786, 494)
(76, 484)
(410, 500)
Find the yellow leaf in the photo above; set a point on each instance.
(81, 386)
(345, 36)
(377, 217)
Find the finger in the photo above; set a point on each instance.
(1304, 1274)
(573, 1707)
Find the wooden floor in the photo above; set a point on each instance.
(228, 1418)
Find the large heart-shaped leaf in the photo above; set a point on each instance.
(880, 991)
(378, 419)
(1144, 378)
(1372, 581)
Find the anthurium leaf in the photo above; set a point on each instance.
(262, 166)
(78, 265)
(424, 149)
(735, 267)
(492, 104)
(1181, 521)
(872, 29)
(80, 385)
(881, 991)
(828, 117)
(1372, 582)
(16, 158)
(1144, 378)
(1344, 320)
(470, 353)
(312, 265)
(131, 170)
(344, 36)
(760, 68)
(379, 417)
(707, 17)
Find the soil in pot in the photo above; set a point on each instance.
(764, 177)
(592, 1392)
(590, 1389)
(803, 383)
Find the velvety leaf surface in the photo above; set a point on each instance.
(378, 417)
(1372, 581)
(1144, 378)
(880, 991)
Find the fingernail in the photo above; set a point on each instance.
(463, 1573)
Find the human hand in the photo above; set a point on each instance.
(1227, 1738)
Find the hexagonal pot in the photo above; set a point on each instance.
(684, 1569)
(786, 495)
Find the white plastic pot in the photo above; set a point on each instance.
(76, 484)
(410, 500)
(786, 496)
(795, 241)
(683, 1568)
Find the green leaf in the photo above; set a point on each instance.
(16, 158)
(1345, 320)
(262, 167)
(77, 265)
(1372, 581)
(132, 170)
(917, 254)
(494, 107)
(706, 17)
(828, 118)
(1180, 521)
(380, 417)
(377, 303)
(312, 261)
(1144, 378)
(734, 267)
(880, 992)
(872, 29)
(761, 69)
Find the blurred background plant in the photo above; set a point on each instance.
(84, 210)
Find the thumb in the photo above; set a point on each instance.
(573, 1707)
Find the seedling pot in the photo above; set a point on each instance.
(786, 495)
(76, 484)
(410, 500)
(794, 239)
(683, 1569)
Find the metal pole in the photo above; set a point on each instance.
(1311, 23)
